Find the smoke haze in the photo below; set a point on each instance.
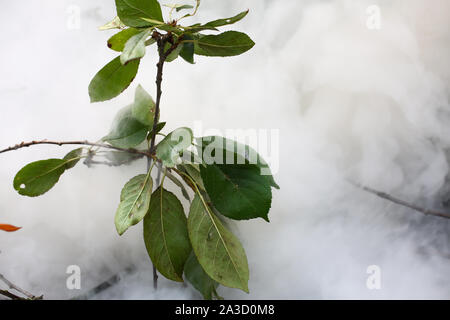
(350, 103)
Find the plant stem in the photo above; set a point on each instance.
(16, 288)
(61, 143)
(161, 40)
(403, 203)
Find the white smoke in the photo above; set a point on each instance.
(352, 103)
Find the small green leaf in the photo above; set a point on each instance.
(135, 47)
(188, 49)
(144, 107)
(227, 21)
(165, 234)
(169, 150)
(184, 7)
(178, 7)
(127, 131)
(174, 54)
(73, 157)
(195, 274)
(227, 44)
(112, 80)
(113, 24)
(117, 41)
(39, 177)
(130, 12)
(134, 202)
(159, 127)
(218, 251)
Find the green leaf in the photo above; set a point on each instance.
(238, 191)
(131, 12)
(238, 153)
(169, 150)
(127, 131)
(184, 7)
(73, 157)
(195, 274)
(117, 41)
(165, 234)
(218, 251)
(188, 49)
(112, 80)
(135, 47)
(227, 44)
(39, 177)
(178, 7)
(174, 54)
(227, 21)
(144, 107)
(159, 127)
(113, 24)
(134, 202)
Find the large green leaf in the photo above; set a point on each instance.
(112, 80)
(238, 191)
(227, 21)
(39, 177)
(144, 107)
(127, 131)
(134, 202)
(220, 150)
(165, 234)
(230, 43)
(218, 251)
(117, 41)
(173, 145)
(130, 12)
(195, 274)
(135, 47)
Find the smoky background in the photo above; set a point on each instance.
(350, 103)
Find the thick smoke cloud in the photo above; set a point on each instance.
(350, 103)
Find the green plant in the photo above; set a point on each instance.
(225, 176)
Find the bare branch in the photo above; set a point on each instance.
(16, 288)
(61, 143)
(10, 295)
(403, 203)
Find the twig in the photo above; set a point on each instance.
(10, 295)
(403, 203)
(104, 285)
(61, 143)
(16, 288)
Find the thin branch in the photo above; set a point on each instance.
(10, 295)
(61, 143)
(403, 203)
(12, 286)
